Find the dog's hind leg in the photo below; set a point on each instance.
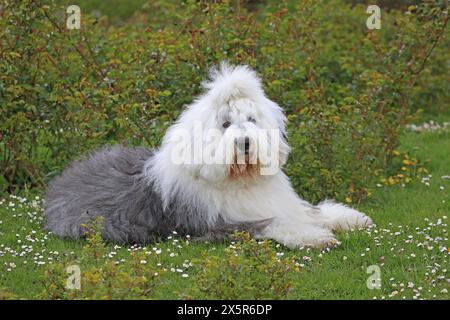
(223, 231)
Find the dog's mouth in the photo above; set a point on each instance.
(244, 170)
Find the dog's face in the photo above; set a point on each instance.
(252, 140)
(233, 132)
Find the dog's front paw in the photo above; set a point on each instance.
(323, 243)
(352, 222)
(320, 238)
(337, 216)
(364, 222)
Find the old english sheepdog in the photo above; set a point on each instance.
(218, 170)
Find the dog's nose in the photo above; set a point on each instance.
(243, 143)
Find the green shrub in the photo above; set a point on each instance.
(249, 269)
(100, 277)
(348, 90)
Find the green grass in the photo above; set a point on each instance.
(411, 233)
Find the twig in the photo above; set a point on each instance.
(88, 62)
(435, 43)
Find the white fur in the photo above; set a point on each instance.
(236, 93)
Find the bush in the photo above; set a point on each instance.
(100, 277)
(348, 90)
(250, 269)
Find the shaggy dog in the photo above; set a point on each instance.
(218, 170)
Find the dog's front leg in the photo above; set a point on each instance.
(299, 235)
(295, 223)
(337, 216)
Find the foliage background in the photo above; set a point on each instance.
(348, 91)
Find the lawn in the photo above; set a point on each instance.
(409, 243)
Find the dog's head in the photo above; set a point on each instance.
(233, 131)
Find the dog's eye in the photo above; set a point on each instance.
(226, 124)
(250, 119)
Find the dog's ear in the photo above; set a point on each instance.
(284, 146)
(282, 128)
(277, 113)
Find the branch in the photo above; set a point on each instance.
(88, 62)
(435, 43)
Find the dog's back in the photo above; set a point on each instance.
(108, 182)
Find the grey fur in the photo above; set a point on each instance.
(110, 183)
